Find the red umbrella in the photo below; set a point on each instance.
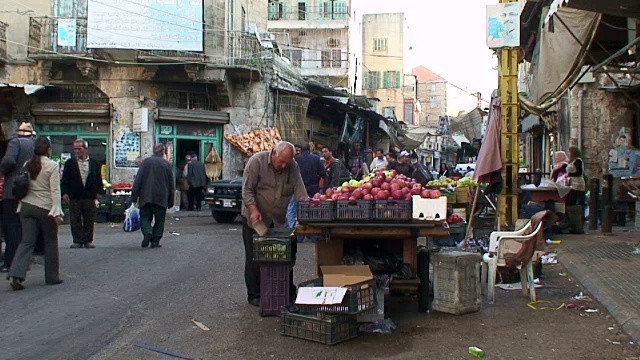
(489, 158)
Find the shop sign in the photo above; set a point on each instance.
(166, 129)
(141, 120)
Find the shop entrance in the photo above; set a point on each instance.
(187, 146)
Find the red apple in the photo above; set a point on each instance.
(343, 197)
(382, 195)
(415, 191)
(417, 186)
(407, 197)
(376, 182)
(397, 194)
(386, 193)
(379, 173)
(367, 186)
(366, 191)
(329, 192)
(426, 194)
(395, 186)
(385, 186)
(388, 179)
(357, 193)
(367, 197)
(375, 191)
(323, 197)
(334, 196)
(352, 198)
(401, 183)
(435, 194)
(316, 196)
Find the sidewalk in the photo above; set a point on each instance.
(607, 268)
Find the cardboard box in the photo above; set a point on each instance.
(341, 275)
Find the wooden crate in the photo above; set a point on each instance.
(463, 195)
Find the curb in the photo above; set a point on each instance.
(629, 320)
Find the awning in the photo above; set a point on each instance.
(529, 122)
(470, 124)
(28, 89)
(171, 114)
(71, 113)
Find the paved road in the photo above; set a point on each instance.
(119, 294)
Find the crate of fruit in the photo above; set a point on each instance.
(329, 329)
(360, 297)
(278, 245)
(451, 197)
(392, 210)
(353, 209)
(316, 210)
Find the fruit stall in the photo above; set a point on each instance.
(386, 212)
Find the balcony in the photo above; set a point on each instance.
(164, 56)
(43, 39)
(331, 15)
(3, 43)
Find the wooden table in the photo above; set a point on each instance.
(399, 237)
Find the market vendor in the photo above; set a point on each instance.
(402, 166)
(269, 181)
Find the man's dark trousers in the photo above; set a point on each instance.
(252, 268)
(11, 228)
(82, 215)
(195, 197)
(149, 212)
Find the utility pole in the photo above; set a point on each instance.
(509, 116)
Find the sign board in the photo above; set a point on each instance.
(141, 120)
(145, 24)
(503, 25)
(67, 32)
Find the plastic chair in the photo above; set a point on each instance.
(495, 257)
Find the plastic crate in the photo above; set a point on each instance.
(460, 228)
(377, 313)
(275, 287)
(359, 298)
(456, 282)
(314, 211)
(329, 329)
(451, 197)
(392, 209)
(354, 209)
(278, 245)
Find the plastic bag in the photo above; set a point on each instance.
(131, 219)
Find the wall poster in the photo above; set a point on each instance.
(126, 148)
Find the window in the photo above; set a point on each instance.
(372, 80)
(277, 10)
(433, 102)
(244, 20)
(334, 10)
(389, 112)
(302, 11)
(333, 43)
(379, 44)
(408, 113)
(296, 57)
(331, 58)
(391, 79)
(433, 86)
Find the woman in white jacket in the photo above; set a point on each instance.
(40, 212)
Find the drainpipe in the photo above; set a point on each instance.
(580, 108)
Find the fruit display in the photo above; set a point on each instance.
(455, 219)
(468, 182)
(442, 182)
(121, 186)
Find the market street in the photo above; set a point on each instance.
(119, 295)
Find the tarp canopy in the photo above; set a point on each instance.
(28, 89)
(469, 124)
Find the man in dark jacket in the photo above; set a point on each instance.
(19, 151)
(81, 187)
(335, 170)
(197, 179)
(311, 169)
(153, 190)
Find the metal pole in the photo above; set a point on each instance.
(607, 203)
(594, 190)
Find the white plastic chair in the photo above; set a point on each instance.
(495, 257)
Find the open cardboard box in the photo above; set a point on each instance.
(341, 275)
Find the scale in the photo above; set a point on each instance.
(632, 184)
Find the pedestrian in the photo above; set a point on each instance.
(269, 181)
(81, 189)
(334, 169)
(183, 186)
(153, 190)
(40, 212)
(402, 166)
(312, 172)
(19, 151)
(413, 160)
(575, 176)
(379, 162)
(391, 160)
(444, 170)
(197, 180)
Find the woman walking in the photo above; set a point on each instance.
(40, 212)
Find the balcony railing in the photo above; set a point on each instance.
(169, 55)
(43, 38)
(3, 42)
(337, 10)
(244, 50)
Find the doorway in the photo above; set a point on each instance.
(185, 147)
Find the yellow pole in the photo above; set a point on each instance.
(509, 149)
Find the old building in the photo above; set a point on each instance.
(113, 80)
(384, 76)
(438, 97)
(314, 36)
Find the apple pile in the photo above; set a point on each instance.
(455, 219)
(380, 185)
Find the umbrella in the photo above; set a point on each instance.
(489, 158)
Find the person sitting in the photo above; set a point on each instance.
(561, 160)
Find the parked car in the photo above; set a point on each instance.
(462, 168)
(225, 199)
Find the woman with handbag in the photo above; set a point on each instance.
(40, 212)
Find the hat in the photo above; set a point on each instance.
(404, 153)
(25, 129)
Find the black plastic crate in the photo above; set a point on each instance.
(315, 211)
(278, 245)
(360, 297)
(275, 287)
(329, 329)
(353, 209)
(392, 209)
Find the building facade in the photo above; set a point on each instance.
(314, 36)
(100, 85)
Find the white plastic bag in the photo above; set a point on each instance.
(131, 219)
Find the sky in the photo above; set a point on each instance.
(447, 37)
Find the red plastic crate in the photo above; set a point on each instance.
(275, 287)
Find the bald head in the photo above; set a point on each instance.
(158, 149)
(282, 155)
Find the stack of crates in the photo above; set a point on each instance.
(456, 282)
(275, 252)
(329, 324)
